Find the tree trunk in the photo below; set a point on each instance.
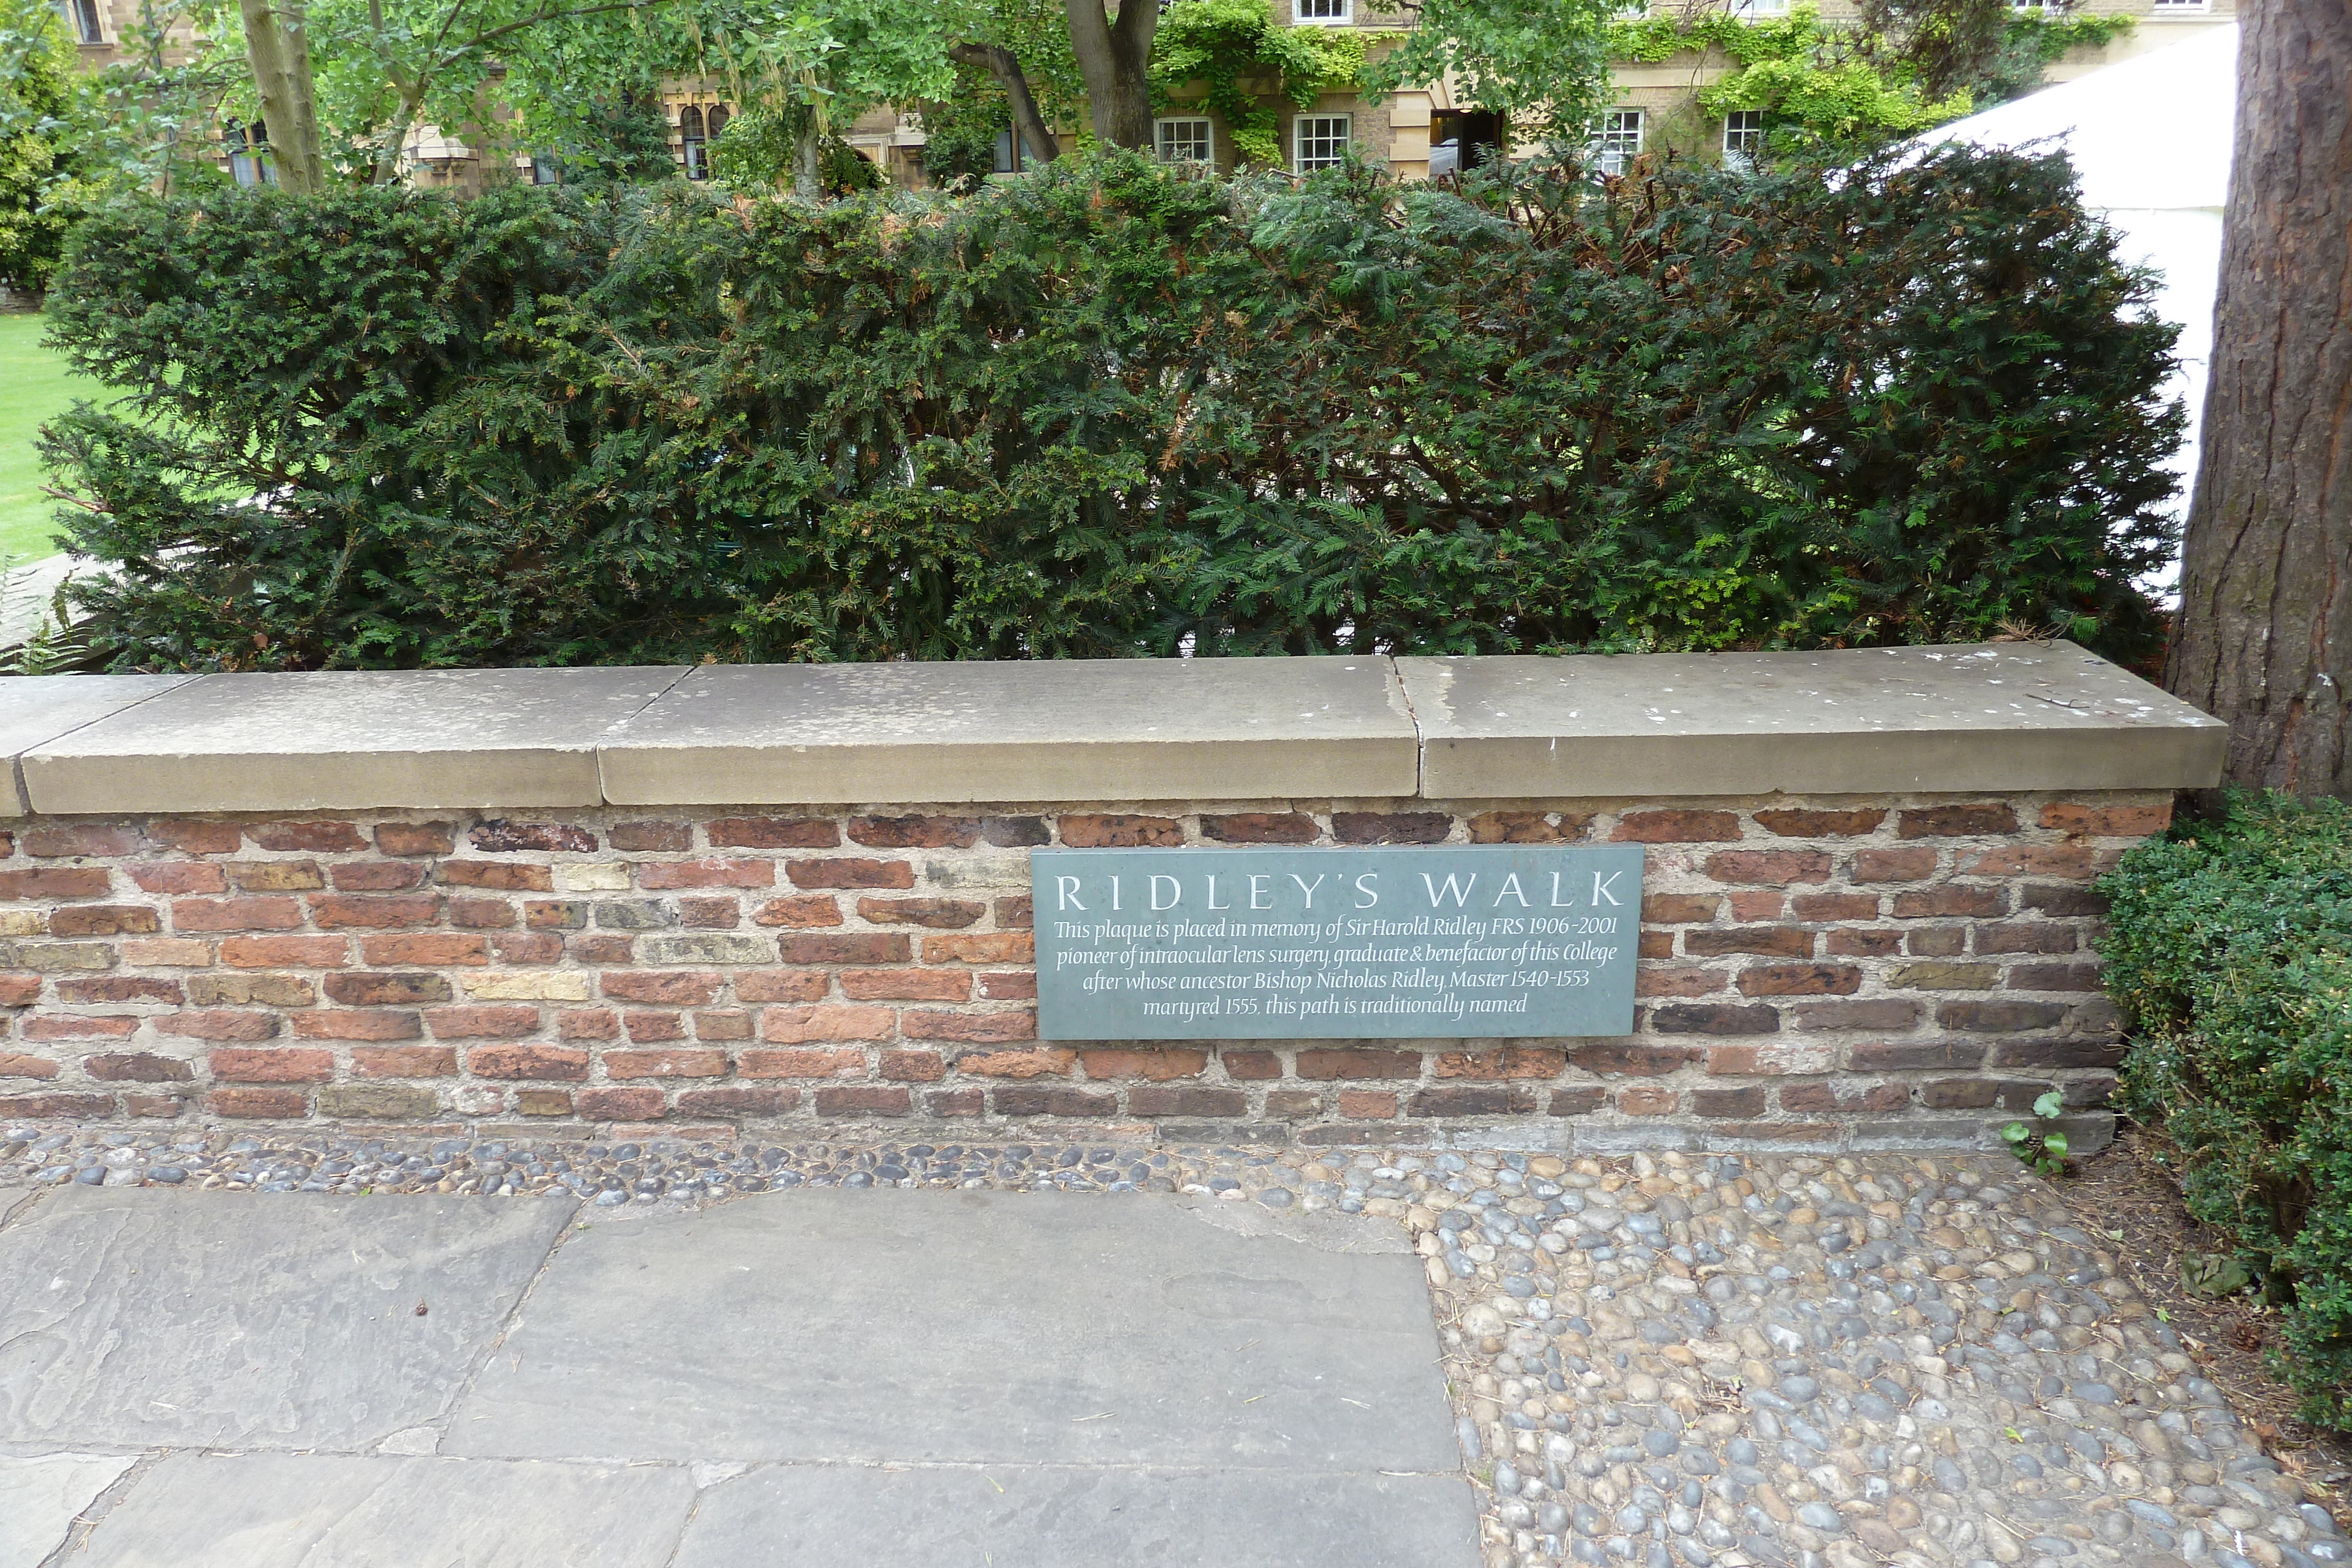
(278, 46)
(1005, 66)
(808, 160)
(1114, 58)
(2266, 566)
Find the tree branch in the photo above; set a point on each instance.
(1005, 66)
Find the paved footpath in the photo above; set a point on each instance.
(724, 1356)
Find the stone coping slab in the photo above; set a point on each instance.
(2003, 718)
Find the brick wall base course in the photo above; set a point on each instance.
(1828, 972)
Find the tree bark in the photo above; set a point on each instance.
(277, 46)
(1114, 57)
(2267, 566)
(1005, 66)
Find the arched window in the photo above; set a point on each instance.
(248, 149)
(689, 133)
(718, 118)
(82, 17)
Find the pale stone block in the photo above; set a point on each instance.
(593, 877)
(531, 986)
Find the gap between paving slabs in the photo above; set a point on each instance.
(1657, 1360)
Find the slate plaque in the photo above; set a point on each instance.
(1336, 944)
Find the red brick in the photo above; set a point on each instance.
(1155, 1066)
(648, 1029)
(839, 1063)
(283, 1065)
(1743, 1101)
(949, 914)
(1678, 827)
(481, 914)
(862, 1102)
(1714, 1017)
(2106, 821)
(128, 1067)
(1881, 1013)
(1040, 1061)
(546, 1062)
(919, 1024)
(277, 877)
(604, 949)
(653, 838)
(1798, 823)
(1466, 1100)
(285, 952)
(1315, 1063)
(1769, 868)
(218, 1023)
(1184, 1099)
(334, 912)
(197, 838)
(677, 988)
(1835, 905)
(914, 1066)
(707, 872)
(981, 948)
(1679, 908)
(1501, 1061)
(848, 871)
(780, 986)
(1116, 831)
(792, 1026)
(1260, 828)
(1384, 827)
(435, 951)
(555, 914)
(1783, 941)
(2075, 861)
(808, 909)
(683, 1062)
(906, 985)
(485, 1022)
(618, 1104)
(1941, 903)
(403, 1060)
(1936, 942)
(912, 832)
(179, 876)
(112, 988)
(1689, 981)
(1251, 1065)
(743, 1100)
(1043, 1100)
(259, 1104)
(1368, 1104)
(339, 1024)
(511, 837)
(307, 838)
(505, 876)
(1956, 822)
(410, 839)
(1015, 913)
(235, 913)
(1020, 986)
(22, 991)
(773, 834)
(728, 1023)
(1529, 827)
(1912, 864)
(59, 1107)
(863, 947)
(1576, 1102)
(527, 948)
(1861, 944)
(89, 839)
(56, 882)
(1751, 906)
(1800, 981)
(1648, 1100)
(588, 1023)
(711, 913)
(378, 876)
(104, 920)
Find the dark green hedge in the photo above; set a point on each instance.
(2229, 951)
(1111, 409)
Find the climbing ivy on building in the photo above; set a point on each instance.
(1232, 46)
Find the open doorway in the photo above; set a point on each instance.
(1463, 139)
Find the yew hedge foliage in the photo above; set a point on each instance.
(1111, 409)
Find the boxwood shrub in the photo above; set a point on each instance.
(2230, 954)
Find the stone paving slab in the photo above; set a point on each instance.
(40, 1497)
(145, 1318)
(290, 1510)
(799, 1516)
(972, 1326)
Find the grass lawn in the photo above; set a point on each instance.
(34, 387)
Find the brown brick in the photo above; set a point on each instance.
(408, 840)
(602, 950)
(1782, 941)
(949, 914)
(277, 877)
(353, 1024)
(1769, 868)
(2062, 900)
(807, 909)
(1260, 828)
(848, 871)
(1044, 1061)
(21, 991)
(981, 948)
(197, 837)
(500, 1022)
(725, 1023)
(1368, 1104)
(793, 1025)
(2053, 977)
(1956, 822)
(1678, 827)
(780, 986)
(56, 882)
(364, 989)
(914, 1066)
(435, 951)
(1117, 832)
(917, 1023)
(1044, 1099)
(1632, 1061)
(861, 947)
(906, 985)
(115, 988)
(1502, 1062)
(1185, 1099)
(405, 1060)
(2073, 1051)
(914, 833)
(1462, 1100)
(235, 913)
(842, 1100)
(259, 1104)
(271, 1065)
(307, 838)
(2106, 821)
(807, 1062)
(711, 913)
(178, 876)
(587, 1023)
(773, 834)
(1014, 913)
(1390, 827)
(1943, 975)
(1912, 1056)
(1835, 905)
(649, 1029)
(127, 1067)
(91, 838)
(1156, 1066)
(1977, 1093)
(1743, 1101)
(218, 1023)
(1654, 944)
(481, 914)
(1861, 944)
(1290, 1102)
(59, 1107)
(1529, 827)
(1575, 1102)
(1648, 1100)
(561, 1063)
(543, 1101)
(379, 1102)
(1714, 1017)
(1999, 1016)
(1943, 902)
(527, 948)
(1879, 1013)
(737, 1100)
(284, 952)
(153, 1105)
(1912, 864)
(555, 914)
(670, 988)
(1798, 823)
(604, 1104)
(1321, 1063)
(655, 837)
(336, 911)
(1251, 1065)
(682, 1062)
(2070, 860)
(1020, 987)
(57, 957)
(1679, 908)
(1684, 981)
(2026, 936)
(1802, 1099)
(504, 876)
(378, 876)
(1800, 981)
(1936, 942)
(510, 838)
(1748, 905)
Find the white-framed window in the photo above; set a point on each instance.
(249, 151)
(1748, 10)
(1620, 141)
(1184, 140)
(691, 145)
(84, 20)
(2178, 7)
(1319, 142)
(1743, 138)
(1321, 12)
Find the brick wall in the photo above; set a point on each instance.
(1825, 971)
